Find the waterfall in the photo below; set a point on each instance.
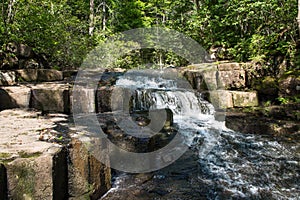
(230, 165)
(193, 116)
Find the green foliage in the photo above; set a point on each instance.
(263, 31)
(283, 100)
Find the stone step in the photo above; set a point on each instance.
(62, 168)
(228, 76)
(39, 75)
(47, 97)
(8, 78)
(222, 99)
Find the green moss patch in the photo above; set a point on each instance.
(24, 154)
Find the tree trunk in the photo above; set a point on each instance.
(299, 14)
(197, 4)
(10, 13)
(92, 17)
(104, 16)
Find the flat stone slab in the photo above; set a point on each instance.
(39, 75)
(47, 97)
(31, 168)
(229, 66)
(19, 130)
(34, 169)
(28, 75)
(222, 99)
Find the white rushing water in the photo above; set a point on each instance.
(243, 165)
(193, 116)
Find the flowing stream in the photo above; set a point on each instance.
(220, 164)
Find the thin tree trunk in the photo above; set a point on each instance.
(197, 4)
(104, 16)
(92, 17)
(10, 13)
(299, 14)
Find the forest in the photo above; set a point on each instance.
(264, 32)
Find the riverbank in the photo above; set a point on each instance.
(44, 99)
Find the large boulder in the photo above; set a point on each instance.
(83, 100)
(7, 78)
(33, 169)
(103, 99)
(234, 79)
(14, 97)
(201, 78)
(49, 75)
(221, 99)
(38, 176)
(88, 177)
(39, 75)
(289, 86)
(50, 98)
(229, 66)
(244, 99)
(20, 50)
(28, 75)
(212, 77)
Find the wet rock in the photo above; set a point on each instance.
(255, 123)
(142, 121)
(7, 78)
(109, 78)
(159, 116)
(159, 191)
